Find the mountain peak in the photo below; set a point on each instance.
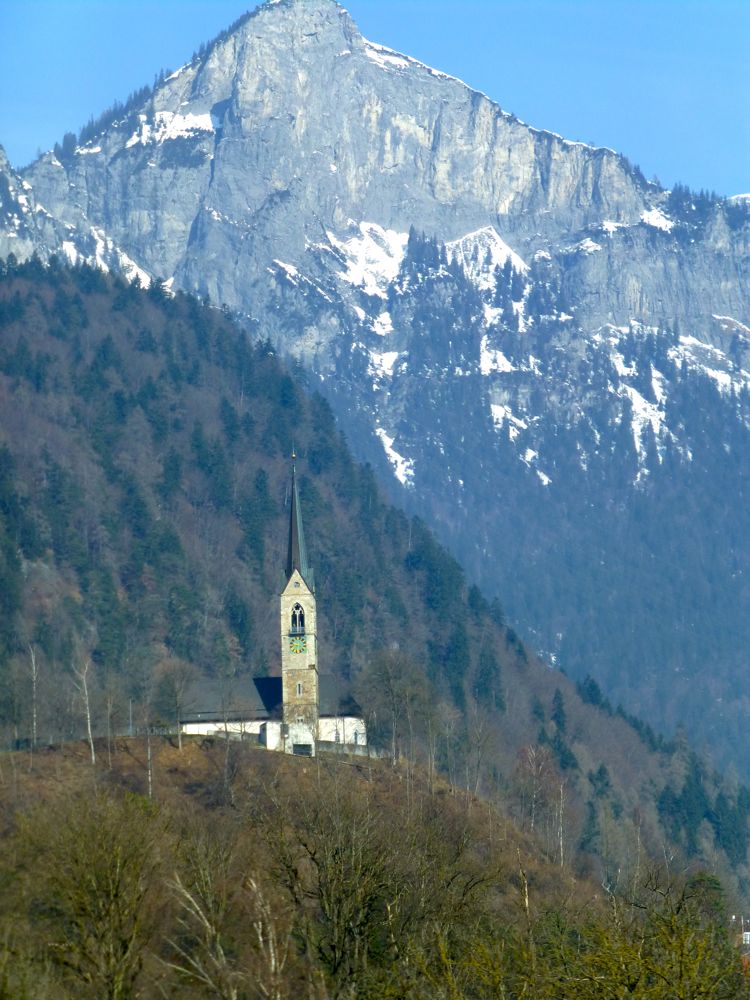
(309, 5)
(313, 10)
(279, 36)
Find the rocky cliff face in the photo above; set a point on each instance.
(556, 376)
(294, 125)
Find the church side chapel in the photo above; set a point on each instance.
(299, 712)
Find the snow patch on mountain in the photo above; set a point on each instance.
(294, 276)
(702, 358)
(730, 323)
(628, 383)
(100, 250)
(658, 385)
(480, 252)
(403, 468)
(382, 325)
(618, 363)
(288, 269)
(655, 218)
(502, 414)
(645, 414)
(381, 365)
(167, 125)
(586, 246)
(373, 257)
(385, 57)
(390, 59)
(491, 314)
(109, 256)
(710, 361)
(12, 220)
(529, 458)
(492, 360)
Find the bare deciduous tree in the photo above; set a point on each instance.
(34, 684)
(395, 692)
(218, 900)
(174, 678)
(533, 781)
(81, 673)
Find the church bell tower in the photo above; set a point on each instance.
(299, 640)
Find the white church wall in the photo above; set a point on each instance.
(342, 729)
(214, 727)
(271, 736)
(299, 734)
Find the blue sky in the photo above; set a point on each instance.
(664, 81)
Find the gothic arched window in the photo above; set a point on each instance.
(298, 620)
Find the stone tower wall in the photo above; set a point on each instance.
(299, 670)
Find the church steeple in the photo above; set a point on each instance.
(297, 551)
(299, 640)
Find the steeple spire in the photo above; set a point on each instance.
(297, 552)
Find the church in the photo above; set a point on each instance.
(301, 711)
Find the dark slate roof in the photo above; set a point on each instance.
(256, 698)
(297, 551)
(233, 699)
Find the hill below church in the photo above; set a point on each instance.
(143, 491)
(246, 874)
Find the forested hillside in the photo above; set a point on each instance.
(144, 472)
(319, 879)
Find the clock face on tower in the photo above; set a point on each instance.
(297, 644)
